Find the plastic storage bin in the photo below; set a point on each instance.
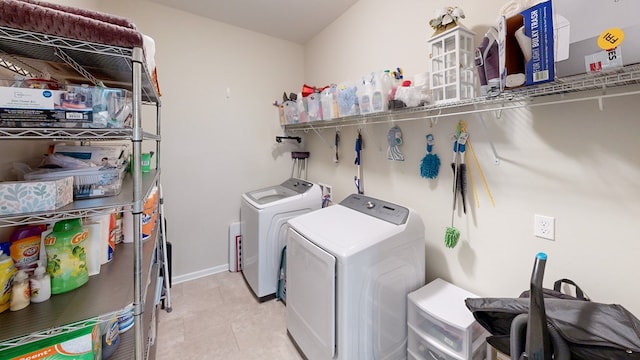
(87, 183)
(420, 347)
(65, 106)
(437, 312)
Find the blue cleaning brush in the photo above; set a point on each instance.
(430, 164)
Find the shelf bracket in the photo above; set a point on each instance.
(19, 67)
(498, 112)
(77, 67)
(496, 157)
(601, 98)
(320, 136)
(434, 120)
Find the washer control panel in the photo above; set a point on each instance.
(380, 209)
(297, 185)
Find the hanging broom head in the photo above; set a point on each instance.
(451, 237)
(430, 166)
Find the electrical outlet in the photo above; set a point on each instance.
(544, 227)
(326, 189)
(327, 194)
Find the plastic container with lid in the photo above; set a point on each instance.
(93, 247)
(88, 183)
(66, 257)
(40, 284)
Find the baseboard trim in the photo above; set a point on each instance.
(200, 273)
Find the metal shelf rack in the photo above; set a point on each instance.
(115, 67)
(106, 293)
(570, 89)
(84, 208)
(70, 134)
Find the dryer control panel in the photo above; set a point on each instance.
(380, 209)
(297, 185)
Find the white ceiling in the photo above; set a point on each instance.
(293, 20)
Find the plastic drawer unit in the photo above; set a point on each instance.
(426, 348)
(441, 326)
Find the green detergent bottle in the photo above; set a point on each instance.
(66, 258)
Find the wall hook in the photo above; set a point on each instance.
(296, 138)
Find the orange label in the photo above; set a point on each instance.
(79, 237)
(610, 38)
(39, 354)
(50, 240)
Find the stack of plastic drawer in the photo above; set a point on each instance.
(440, 325)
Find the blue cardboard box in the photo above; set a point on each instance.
(527, 46)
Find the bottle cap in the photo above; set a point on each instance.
(66, 225)
(25, 232)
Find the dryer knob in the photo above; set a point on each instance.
(370, 205)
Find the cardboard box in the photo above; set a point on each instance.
(17, 197)
(494, 354)
(586, 24)
(71, 106)
(82, 344)
(527, 47)
(34, 107)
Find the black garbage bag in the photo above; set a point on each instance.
(593, 331)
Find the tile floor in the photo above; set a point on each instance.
(217, 317)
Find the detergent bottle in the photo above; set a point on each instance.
(25, 247)
(7, 272)
(66, 257)
(20, 294)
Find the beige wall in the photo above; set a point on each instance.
(214, 148)
(572, 162)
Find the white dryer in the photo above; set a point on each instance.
(264, 214)
(349, 269)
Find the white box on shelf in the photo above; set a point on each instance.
(587, 23)
(18, 197)
(437, 311)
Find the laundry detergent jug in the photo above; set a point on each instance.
(66, 257)
(7, 272)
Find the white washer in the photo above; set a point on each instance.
(264, 214)
(349, 269)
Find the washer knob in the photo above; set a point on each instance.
(370, 205)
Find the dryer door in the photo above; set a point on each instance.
(311, 310)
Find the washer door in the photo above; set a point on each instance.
(311, 310)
